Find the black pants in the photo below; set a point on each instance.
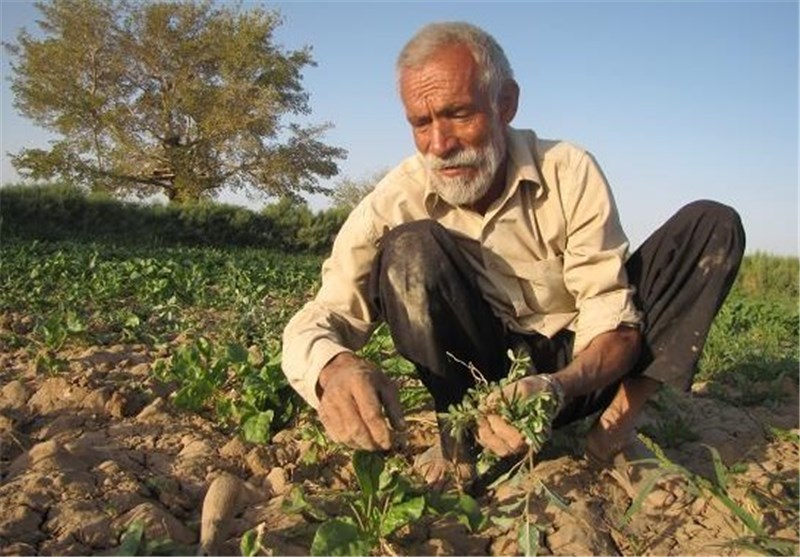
(427, 294)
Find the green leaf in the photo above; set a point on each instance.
(257, 428)
(248, 545)
(468, 512)
(528, 539)
(296, 502)
(339, 537)
(401, 514)
(720, 471)
(236, 353)
(131, 539)
(368, 467)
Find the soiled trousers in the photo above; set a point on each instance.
(427, 294)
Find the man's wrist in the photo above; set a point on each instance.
(556, 388)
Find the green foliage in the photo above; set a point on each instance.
(350, 191)
(56, 296)
(181, 98)
(385, 502)
(532, 416)
(719, 488)
(64, 212)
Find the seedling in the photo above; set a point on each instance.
(386, 502)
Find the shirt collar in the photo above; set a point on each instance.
(521, 167)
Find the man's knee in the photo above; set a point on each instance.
(723, 225)
(412, 254)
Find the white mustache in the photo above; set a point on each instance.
(467, 157)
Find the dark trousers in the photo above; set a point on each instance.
(427, 293)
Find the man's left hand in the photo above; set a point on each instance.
(494, 432)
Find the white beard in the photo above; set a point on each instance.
(462, 190)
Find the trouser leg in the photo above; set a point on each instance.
(683, 273)
(428, 296)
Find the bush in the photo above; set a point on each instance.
(61, 211)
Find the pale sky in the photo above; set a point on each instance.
(677, 100)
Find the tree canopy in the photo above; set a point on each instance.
(349, 191)
(181, 98)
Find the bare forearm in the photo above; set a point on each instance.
(607, 359)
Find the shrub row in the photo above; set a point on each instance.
(64, 212)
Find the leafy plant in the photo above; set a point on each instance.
(262, 401)
(386, 502)
(532, 416)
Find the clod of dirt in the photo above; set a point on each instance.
(278, 481)
(14, 396)
(56, 393)
(158, 524)
(154, 413)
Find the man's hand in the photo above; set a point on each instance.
(356, 400)
(494, 432)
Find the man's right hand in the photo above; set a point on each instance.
(356, 400)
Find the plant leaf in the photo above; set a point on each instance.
(131, 539)
(401, 514)
(368, 467)
(248, 546)
(339, 537)
(528, 539)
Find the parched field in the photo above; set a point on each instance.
(134, 381)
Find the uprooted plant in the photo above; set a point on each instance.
(531, 415)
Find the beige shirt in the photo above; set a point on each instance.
(549, 254)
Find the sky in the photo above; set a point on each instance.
(676, 100)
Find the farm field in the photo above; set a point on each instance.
(134, 378)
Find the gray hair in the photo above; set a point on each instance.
(492, 62)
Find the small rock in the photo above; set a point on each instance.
(96, 401)
(258, 461)
(154, 412)
(196, 448)
(278, 481)
(436, 546)
(234, 449)
(14, 395)
(56, 393)
(21, 523)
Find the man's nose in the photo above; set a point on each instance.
(443, 142)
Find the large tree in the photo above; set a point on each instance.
(177, 97)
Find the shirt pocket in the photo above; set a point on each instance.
(542, 285)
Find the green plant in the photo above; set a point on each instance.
(532, 416)
(386, 502)
(251, 542)
(262, 401)
(718, 487)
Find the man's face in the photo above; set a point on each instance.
(454, 125)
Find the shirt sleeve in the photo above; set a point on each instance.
(340, 318)
(595, 255)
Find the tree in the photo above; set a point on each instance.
(349, 191)
(181, 98)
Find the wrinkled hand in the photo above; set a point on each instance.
(494, 432)
(356, 401)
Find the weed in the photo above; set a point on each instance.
(718, 488)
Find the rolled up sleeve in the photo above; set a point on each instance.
(594, 259)
(340, 318)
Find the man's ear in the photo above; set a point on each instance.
(509, 101)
